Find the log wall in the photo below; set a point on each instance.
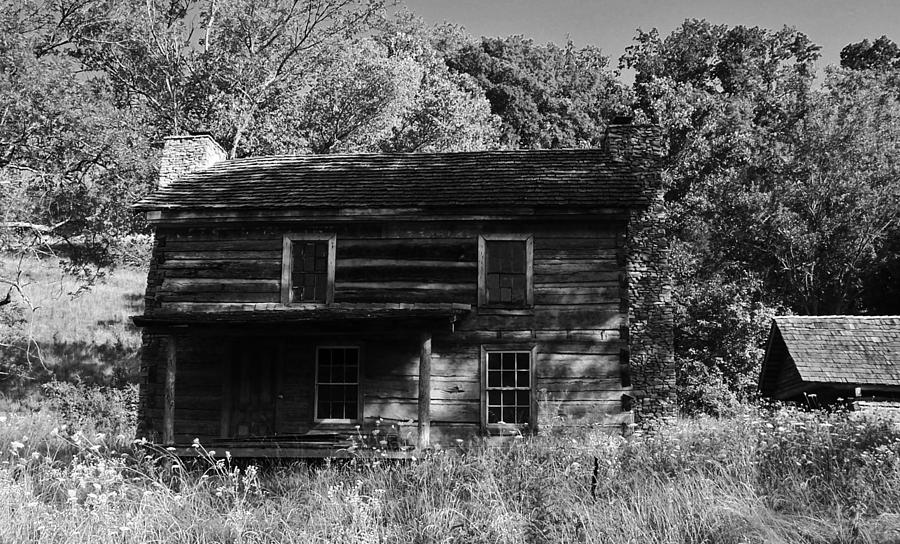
(577, 323)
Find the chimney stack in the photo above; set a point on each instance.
(627, 142)
(185, 154)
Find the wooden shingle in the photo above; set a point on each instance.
(571, 178)
(843, 349)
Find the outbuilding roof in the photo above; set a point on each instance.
(544, 178)
(841, 349)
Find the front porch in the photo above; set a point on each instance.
(292, 388)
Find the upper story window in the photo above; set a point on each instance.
(307, 269)
(505, 276)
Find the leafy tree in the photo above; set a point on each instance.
(546, 96)
(387, 92)
(881, 54)
(215, 65)
(70, 162)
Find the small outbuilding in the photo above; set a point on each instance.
(819, 359)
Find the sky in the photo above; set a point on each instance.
(611, 24)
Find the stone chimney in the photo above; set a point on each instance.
(627, 142)
(185, 154)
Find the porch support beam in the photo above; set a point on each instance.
(424, 390)
(168, 430)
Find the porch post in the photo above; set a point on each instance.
(168, 431)
(424, 390)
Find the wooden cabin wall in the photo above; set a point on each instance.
(576, 323)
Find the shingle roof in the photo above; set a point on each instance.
(570, 177)
(844, 349)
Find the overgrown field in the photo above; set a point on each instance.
(766, 475)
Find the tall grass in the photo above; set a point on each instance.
(765, 475)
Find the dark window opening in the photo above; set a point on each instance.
(506, 275)
(509, 387)
(309, 271)
(337, 383)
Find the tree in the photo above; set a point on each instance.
(881, 54)
(781, 195)
(70, 162)
(212, 64)
(546, 96)
(390, 91)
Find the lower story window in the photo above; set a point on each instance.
(508, 387)
(337, 383)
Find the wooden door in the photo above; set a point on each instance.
(250, 399)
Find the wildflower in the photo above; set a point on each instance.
(195, 443)
(170, 448)
(16, 445)
(101, 436)
(2, 419)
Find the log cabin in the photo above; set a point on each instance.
(299, 305)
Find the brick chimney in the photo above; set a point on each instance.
(627, 142)
(185, 154)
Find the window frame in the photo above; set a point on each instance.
(287, 266)
(359, 392)
(482, 269)
(499, 428)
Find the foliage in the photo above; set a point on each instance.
(214, 65)
(881, 54)
(721, 325)
(70, 161)
(390, 91)
(546, 96)
(782, 196)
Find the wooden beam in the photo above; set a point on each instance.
(169, 393)
(424, 390)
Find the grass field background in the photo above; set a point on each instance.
(71, 469)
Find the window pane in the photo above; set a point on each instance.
(509, 361)
(523, 398)
(493, 415)
(522, 379)
(523, 360)
(509, 378)
(494, 361)
(494, 378)
(509, 414)
(517, 258)
(509, 397)
(494, 398)
(517, 288)
(522, 415)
